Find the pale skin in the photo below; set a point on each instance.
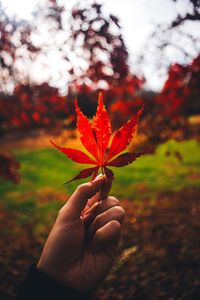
(81, 246)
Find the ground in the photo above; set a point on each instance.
(161, 251)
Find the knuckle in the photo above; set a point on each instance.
(81, 188)
(99, 236)
(85, 189)
(120, 212)
(113, 201)
(115, 225)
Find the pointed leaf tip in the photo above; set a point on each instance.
(75, 155)
(102, 128)
(86, 133)
(123, 136)
(124, 159)
(100, 98)
(84, 174)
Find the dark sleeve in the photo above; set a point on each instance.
(39, 286)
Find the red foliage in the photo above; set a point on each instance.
(122, 100)
(39, 105)
(181, 90)
(96, 137)
(105, 52)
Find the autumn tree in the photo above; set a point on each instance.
(89, 43)
(96, 38)
(174, 40)
(180, 93)
(102, 45)
(32, 106)
(16, 49)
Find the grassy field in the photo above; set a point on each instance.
(44, 171)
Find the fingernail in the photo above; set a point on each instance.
(100, 176)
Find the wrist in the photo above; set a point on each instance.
(39, 285)
(67, 278)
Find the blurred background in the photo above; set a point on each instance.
(136, 52)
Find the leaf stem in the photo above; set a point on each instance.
(102, 170)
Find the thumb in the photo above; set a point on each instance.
(73, 208)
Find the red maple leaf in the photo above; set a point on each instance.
(96, 138)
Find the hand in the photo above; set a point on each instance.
(80, 249)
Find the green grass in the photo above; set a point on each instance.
(152, 174)
(46, 169)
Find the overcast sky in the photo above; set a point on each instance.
(138, 19)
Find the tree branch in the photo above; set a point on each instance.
(188, 17)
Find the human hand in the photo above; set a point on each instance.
(81, 247)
